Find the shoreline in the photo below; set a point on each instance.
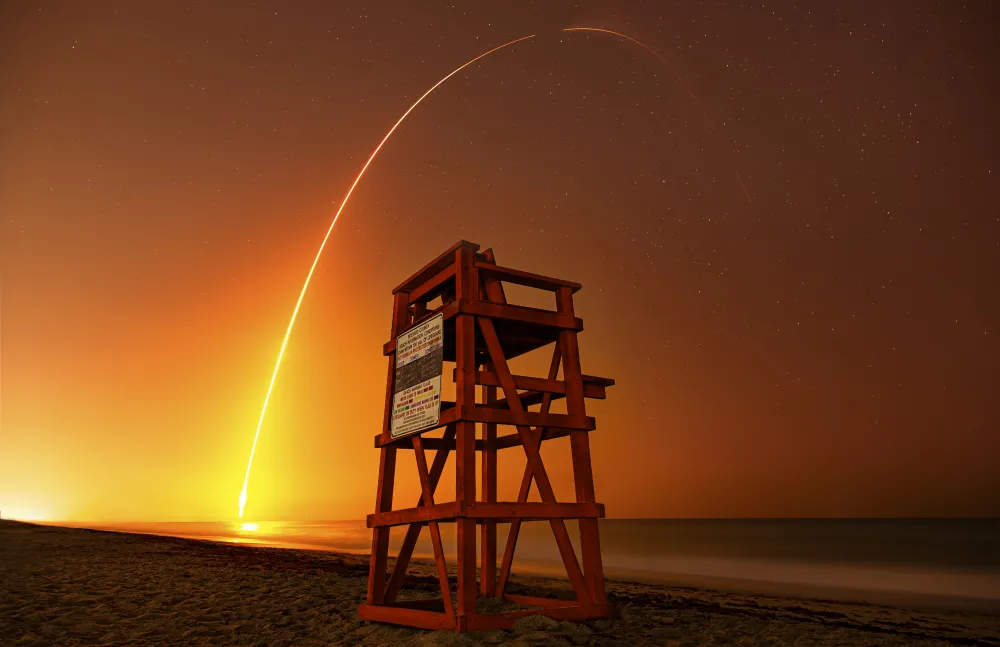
(723, 584)
(72, 586)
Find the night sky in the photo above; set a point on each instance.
(168, 170)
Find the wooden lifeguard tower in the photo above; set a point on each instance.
(477, 329)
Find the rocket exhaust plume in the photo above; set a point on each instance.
(305, 286)
(677, 76)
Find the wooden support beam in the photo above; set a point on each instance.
(500, 417)
(386, 470)
(532, 511)
(446, 258)
(419, 515)
(593, 386)
(410, 617)
(533, 418)
(583, 475)
(433, 286)
(425, 604)
(528, 279)
(528, 399)
(522, 314)
(513, 440)
(488, 494)
(429, 443)
(467, 290)
(502, 442)
(500, 511)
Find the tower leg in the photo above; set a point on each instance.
(583, 475)
(488, 534)
(386, 466)
(380, 536)
(467, 288)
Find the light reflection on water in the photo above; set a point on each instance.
(927, 557)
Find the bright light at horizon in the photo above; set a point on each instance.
(26, 512)
(250, 527)
(24, 517)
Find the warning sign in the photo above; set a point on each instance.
(416, 400)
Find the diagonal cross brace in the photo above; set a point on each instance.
(531, 450)
(413, 532)
(428, 498)
(522, 494)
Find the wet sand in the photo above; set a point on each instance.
(73, 586)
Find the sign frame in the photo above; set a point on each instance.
(416, 385)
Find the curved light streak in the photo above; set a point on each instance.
(305, 286)
(672, 71)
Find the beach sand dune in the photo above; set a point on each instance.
(71, 586)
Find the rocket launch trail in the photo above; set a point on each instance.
(319, 253)
(680, 80)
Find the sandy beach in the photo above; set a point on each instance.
(73, 586)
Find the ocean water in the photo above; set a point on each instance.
(879, 560)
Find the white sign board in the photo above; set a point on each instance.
(416, 399)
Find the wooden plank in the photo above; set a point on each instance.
(380, 536)
(429, 443)
(513, 440)
(421, 515)
(433, 286)
(502, 511)
(583, 476)
(435, 529)
(593, 387)
(465, 441)
(531, 398)
(533, 418)
(488, 494)
(528, 399)
(523, 314)
(435, 266)
(531, 511)
(519, 277)
(425, 604)
(506, 619)
(551, 421)
(502, 442)
(409, 617)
